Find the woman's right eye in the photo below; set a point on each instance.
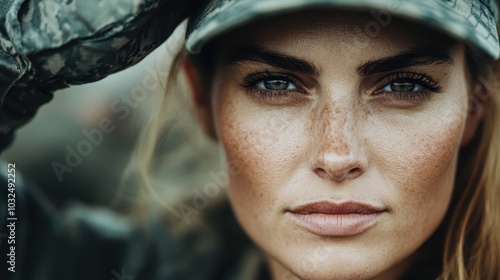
(271, 83)
(275, 88)
(276, 85)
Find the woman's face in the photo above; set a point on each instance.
(344, 143)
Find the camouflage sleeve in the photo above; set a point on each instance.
(50, 44)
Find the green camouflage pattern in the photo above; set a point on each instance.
(473, 21)
(46, 45)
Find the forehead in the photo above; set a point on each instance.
(366, 32)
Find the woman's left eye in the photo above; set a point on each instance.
(404, 86)
(408, 86)
(276, 85)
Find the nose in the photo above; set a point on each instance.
(339, 154)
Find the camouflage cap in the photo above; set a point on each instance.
(473, 21)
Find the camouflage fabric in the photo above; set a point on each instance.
(473, 21)
(49, 44)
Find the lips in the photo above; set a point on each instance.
(329, 219)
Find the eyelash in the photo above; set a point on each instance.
(429, 86)
(251, 81)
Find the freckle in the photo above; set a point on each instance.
(334, 128)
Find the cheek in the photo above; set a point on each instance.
(417, 157)
(261, 148)
(262, 153)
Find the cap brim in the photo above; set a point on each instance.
(459, 20)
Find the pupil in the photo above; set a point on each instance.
(276, 85)
(403, 87)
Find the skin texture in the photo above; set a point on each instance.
(335, 137)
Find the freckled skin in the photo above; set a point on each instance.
(339, 144)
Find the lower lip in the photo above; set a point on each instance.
(336, 225)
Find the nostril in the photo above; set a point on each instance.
(321, 173)
(355, 172)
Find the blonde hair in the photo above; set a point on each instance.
(472, 242)
(472, 226)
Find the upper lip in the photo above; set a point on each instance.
(332, 208)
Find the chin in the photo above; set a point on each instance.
(333, 271)
(335, 262)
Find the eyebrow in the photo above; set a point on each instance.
(413, 57)
(255, 53)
